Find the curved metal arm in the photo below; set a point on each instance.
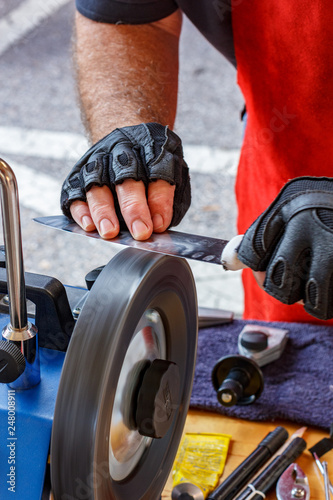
(13, 246)
(19, 331)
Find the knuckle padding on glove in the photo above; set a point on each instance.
(164, 169)
(125, 165)
(293, 242)
(145, 152)
(72, 191)
(93, 173)
(319, 288)
(159, 161)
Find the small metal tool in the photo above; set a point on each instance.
(293, 484)
(326, 481)
(321, 469)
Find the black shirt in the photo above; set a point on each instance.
(211, 17)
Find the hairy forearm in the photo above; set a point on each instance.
(127, 74)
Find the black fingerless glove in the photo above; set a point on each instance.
(293, 242)
(144, 152)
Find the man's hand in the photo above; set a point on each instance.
(135, 174)
(293, 242)
(127, 75)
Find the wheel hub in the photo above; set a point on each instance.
(127, 445)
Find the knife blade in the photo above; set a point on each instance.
(188, 246)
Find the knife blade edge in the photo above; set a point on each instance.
(180, 244)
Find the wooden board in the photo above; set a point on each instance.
(245, 438)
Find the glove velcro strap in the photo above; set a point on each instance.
(304, 201)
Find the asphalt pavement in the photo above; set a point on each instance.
(41, 136)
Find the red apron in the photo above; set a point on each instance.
(284, 52)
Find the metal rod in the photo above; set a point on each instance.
(326, 481)
(13, 247)
(321, 470)
(19, 331)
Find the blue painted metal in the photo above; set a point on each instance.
(25, 429)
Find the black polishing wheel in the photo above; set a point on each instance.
(139, 324)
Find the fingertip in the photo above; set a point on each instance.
(87, 223)
(80, 213)
(140, 230)
(107, 229)
(160, 201)
(158, 222)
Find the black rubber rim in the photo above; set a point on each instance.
(131, 283)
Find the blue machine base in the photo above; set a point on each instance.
(25, 430)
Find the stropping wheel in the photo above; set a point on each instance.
(126, 382)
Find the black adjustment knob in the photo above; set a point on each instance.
(231, 389)
(129, 399)
(158, 398)
(254, 340)
(12, 362)
(237, 380)
(92, 276)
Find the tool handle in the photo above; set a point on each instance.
(267, 479)
(229, 257)
(240, 476)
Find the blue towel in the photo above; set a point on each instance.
(298, 386)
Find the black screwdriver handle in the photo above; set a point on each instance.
(267, 479)
(247, 469)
